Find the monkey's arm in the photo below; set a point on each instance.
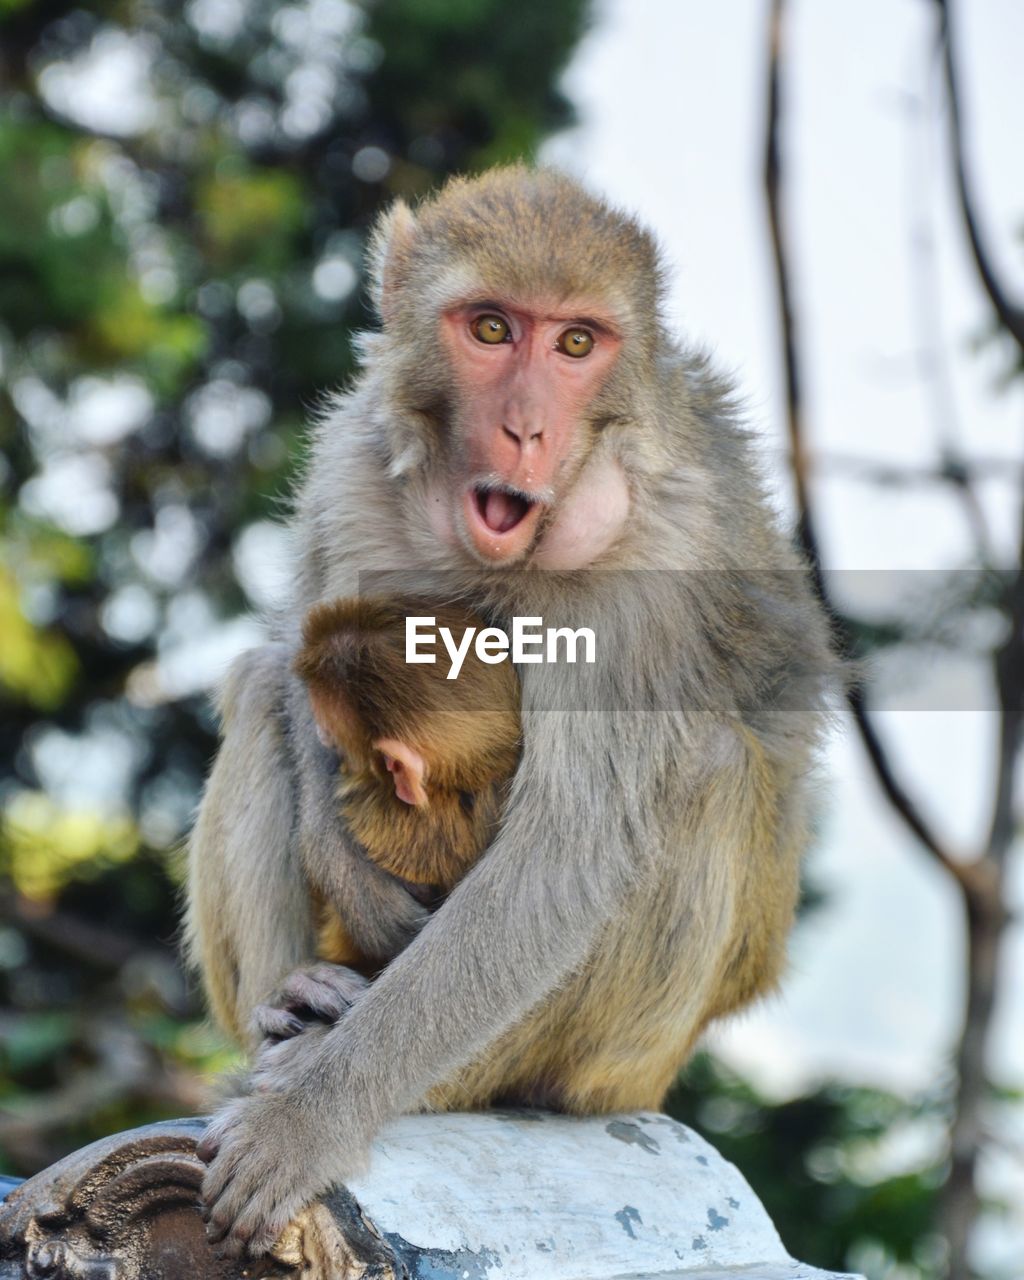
(379, 916)
(519, 922)
(249, 919)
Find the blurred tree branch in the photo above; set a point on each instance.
(1010, 314)
(883, 473)
(81, 940)
(932, 359)
(980, 881)
(806, 531)
(126, 1073)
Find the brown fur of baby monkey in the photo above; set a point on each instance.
(424, 761)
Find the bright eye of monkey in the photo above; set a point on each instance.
(575, 342)
(491, 329)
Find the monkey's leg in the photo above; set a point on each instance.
(715, 913)
(376, 914)
(249, 919)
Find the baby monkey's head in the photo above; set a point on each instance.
(424, 760)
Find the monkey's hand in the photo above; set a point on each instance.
(319, 993)
(274, 1152)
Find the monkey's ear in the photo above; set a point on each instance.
(407, 768)
(390, 244)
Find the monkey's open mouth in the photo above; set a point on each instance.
(501, 509)
(501, 521)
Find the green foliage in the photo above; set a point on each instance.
(249, 220)
(492, 103)
(43, 846)
(36, 1040)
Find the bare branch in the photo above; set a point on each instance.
(1010, 682)
(981, 882)
(901, 474)
(1010, 313)
(986, 912)
(894, 791)
(933, 362)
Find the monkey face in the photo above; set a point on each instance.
(525, 375)
(521, 317)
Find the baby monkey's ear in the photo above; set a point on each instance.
(407, 768)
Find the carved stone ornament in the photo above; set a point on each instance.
(495, 1196)
(127, 1208)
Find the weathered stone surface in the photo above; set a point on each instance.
(508, 1195)
(535, 1196)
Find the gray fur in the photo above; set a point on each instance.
(620, 873)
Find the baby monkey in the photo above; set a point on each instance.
(424, 765)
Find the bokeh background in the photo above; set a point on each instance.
(184, 194)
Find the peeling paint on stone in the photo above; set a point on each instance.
(703, 1160)
(733, 1203)
(625, 1217)
(715, 1220)
(699, 1243)
(443, 1264)
(628, 1132)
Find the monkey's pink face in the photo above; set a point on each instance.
(524, 379)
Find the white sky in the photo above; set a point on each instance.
(671, 99)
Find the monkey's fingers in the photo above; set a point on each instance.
(271, 1022)
(216, 1196)
(326, 991)
(208, 1146)
(253, 1221)
(251, 1199)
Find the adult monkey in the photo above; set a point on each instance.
(522, 421)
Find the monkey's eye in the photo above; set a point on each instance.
(491, 329)
(575, 342)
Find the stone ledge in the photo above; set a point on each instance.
(491, 1196)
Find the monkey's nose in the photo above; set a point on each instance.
(522, 435)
